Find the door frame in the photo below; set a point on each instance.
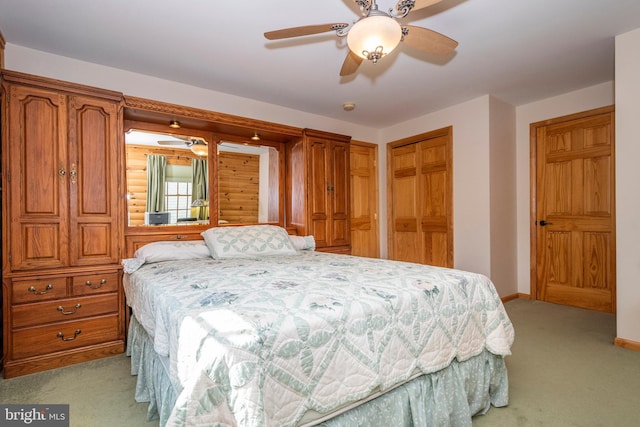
(533, 188)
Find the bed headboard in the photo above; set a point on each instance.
(133, 242)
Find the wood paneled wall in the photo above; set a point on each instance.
(137, 175)
(238, 182)
(238, 187)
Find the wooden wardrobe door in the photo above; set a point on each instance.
(317, 191)
(93, 181)
(37, 154)
(338, 191)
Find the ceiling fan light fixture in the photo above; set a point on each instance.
(174, 124)
(374, 36)
(200, 149)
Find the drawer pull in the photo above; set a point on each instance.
(89, 284)
(75, 308)
(47, 289)
(179, 237)
(75, 334)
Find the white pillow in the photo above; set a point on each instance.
(303, 243)
(172, 251)
(248, 241)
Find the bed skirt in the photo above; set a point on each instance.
(449, 397)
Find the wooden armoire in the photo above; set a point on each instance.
(61, 213)
(318, 186)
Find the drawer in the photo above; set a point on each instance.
(38, 289)
(95, 283)
(63, 336)
(63, 310)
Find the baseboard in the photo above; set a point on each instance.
(628, 344)
(515, 296)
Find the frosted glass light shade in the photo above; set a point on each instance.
(370, 33)
(200, 149)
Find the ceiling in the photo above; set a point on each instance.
(517, 50)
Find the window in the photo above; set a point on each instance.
(178, 199)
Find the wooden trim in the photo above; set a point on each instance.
(518, 295)
(533, 214)
(169, 110)
(59, 85)
(2, 45)
(628, 344)
(327, 135)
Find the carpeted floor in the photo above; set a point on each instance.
(564, 371)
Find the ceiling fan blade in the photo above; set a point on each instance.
(302, 31)
(351, 64)
(420, 4)
(172, 142)
(428, 40)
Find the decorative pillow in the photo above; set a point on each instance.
(303, 243)
(172, 251)
(248, 241)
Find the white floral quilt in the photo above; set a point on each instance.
(262, 342)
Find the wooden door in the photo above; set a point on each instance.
(317, 191)
(93, 181)
(436, 223)
(328, 190)
(363, 159)
(575, 210)
(420, 176)
(338, 188)
(38, 178)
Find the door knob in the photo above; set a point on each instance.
(543, 223)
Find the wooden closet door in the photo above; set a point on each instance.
(405, 204)
(435, 190)
(93, 181)
(38, 174)
(421, 199)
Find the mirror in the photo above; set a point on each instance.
(249, 183)
(167, 178)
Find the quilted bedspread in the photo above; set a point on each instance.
(262, 342)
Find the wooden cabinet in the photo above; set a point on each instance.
(318, 189)
(61, 221)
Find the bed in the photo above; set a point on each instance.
(252, 327)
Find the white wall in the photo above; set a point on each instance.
(502, 178)
(627, 185)
(484, 175)
(40, 63)
(471, 185)
(574, 102)
(480, 131)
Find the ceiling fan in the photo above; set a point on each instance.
(377, 33)
(197, 145)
